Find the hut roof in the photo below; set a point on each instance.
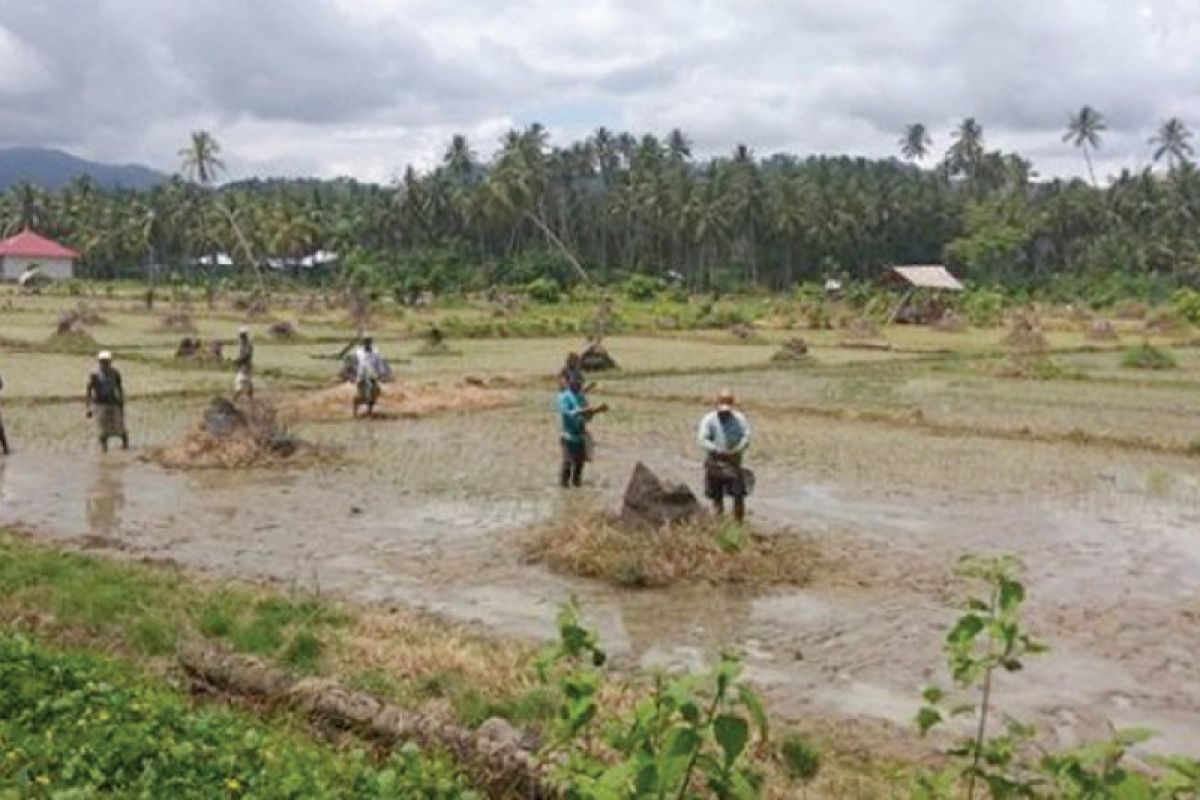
(925, 276)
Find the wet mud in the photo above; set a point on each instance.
(426, 513)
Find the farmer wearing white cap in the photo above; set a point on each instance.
(243, 384)
(725, 434)
(368, 370)
(106, 401)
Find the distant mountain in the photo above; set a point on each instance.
(54, 169)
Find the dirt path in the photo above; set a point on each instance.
(1113, 554)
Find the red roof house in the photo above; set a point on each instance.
(26, 250)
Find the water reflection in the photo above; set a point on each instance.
(105, 500)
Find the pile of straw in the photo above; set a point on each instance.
(397, 402)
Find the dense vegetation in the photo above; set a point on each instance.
(615, 205)
(81, 725)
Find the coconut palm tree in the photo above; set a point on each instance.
(966, 152)
(1083, 131)
(202, 158)
(679, 147)
(459, 159)
(1172, 141)
(915, 142)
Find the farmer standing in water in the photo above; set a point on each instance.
(368, 371)
(243, 384)
(725, 434)
(106, 401)
(574, 414)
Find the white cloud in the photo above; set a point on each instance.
(365, 86)
(22, 71)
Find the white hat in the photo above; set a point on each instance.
(242, 330)
(104, 356)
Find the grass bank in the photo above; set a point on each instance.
(146, 612)
(103, 635)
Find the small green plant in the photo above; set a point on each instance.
(1186, 303)
(544, 290)
(801, 758)
(987, 638)
(642, 288)
(1147, 356)
(732, 537)
(688, 737)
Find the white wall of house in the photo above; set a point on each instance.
(12, 267)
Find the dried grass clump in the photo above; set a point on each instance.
(87, 314)
(396, 403)
(793, 351)
(1025, 336)
(1031, 366)
(1101, 331)
(706, 549)
(430, 348)
(1130, 309)
(863, 333)
(949, 322)
(232, 435)
(861, 328)
(744, 332)
(283, 330)
(1166, 324)
(425, 649)
(70, 336)
(180, 321)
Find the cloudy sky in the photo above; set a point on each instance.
(363, 87)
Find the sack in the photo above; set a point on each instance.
(589, 444)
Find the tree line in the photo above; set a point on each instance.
(614, 204)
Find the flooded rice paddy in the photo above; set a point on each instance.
(426, 512)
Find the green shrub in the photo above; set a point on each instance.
(643, 288)
(78, 725)
(983, 308)
(801, 758)
(1147, 356)
(989, 639)
(1186, 303)
(686, 737)
(544, 290)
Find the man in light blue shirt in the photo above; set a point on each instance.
(725, 435)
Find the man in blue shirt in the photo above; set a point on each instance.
(574, 413)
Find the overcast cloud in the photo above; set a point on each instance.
(363, 87)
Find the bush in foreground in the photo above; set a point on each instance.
(79, 726)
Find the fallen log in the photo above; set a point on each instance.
(496, 755)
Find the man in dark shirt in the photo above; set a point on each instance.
(106, 401)
(243, 384)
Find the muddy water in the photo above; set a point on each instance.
(425, 513)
